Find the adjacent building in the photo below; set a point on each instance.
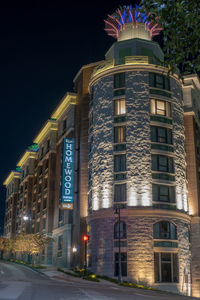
(136, 147)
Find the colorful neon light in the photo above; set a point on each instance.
(127, 14)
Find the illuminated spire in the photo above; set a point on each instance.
(130, 19)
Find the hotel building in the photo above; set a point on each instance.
(136, 148)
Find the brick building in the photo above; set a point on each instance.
(137, 148)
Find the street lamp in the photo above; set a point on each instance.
(74, 251)
(117, 212)
(28, 218)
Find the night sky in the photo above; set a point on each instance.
(43, 46)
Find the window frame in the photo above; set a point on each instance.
(119, 80)
(154, 82)
(160, 234)
(123, 230)
(157, 138)
(118, 107)
(119, 163)
(123, 263)
(167, 112)
(120, 134)
(158, 267)
(160, 164)
(156, 191)
(119, 192)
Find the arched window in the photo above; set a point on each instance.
(164, 230)
(120, 226)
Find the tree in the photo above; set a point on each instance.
(31, 243)
(180, 20)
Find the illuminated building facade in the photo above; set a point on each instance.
(137, 146)
(137, 160)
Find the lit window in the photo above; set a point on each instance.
(120, 163)
(120, 230)
(123, 264)
(161, 135)
(164, 230)
(163, 193)
(120, 107)
(162, 163)
(166, 267)
(160, 107)
(120, 134)
(120, 193)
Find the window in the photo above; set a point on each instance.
(159, 81)
(161, 135)
(160, 107)
(123, 53)
(60, 245)
(166, 267)
(163, 193)
(43, 224)
(38, 207)
(48, 145)
(120, 163)
(60, 242)
(120, 193)
(123, 264)
(44, 203)
(162, 163)
(42, 151)
(120, 107)
(61, 215)
(64, 125)
(91, 119)
(164, 230)
(90, 200)
(37, 226)
(27, 170)
(120, 230)
(119, 80)
(120, 134)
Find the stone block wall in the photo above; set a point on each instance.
(140, 248)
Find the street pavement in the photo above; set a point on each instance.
(18, 282)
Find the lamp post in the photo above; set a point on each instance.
(117, 212)
(74, 251)
(28, 218)
(85, 239)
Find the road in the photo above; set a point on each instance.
(18, 282)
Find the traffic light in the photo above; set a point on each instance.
(85, 238)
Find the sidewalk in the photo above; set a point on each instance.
(52, 273)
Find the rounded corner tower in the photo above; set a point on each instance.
(137, 161)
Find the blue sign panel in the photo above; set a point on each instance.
(67, 180)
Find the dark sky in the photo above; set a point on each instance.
(43, 46)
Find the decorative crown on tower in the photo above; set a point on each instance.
(116, 22)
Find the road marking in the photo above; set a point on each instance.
(13, 290)
(2, 272)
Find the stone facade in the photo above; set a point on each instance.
(140, 246)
